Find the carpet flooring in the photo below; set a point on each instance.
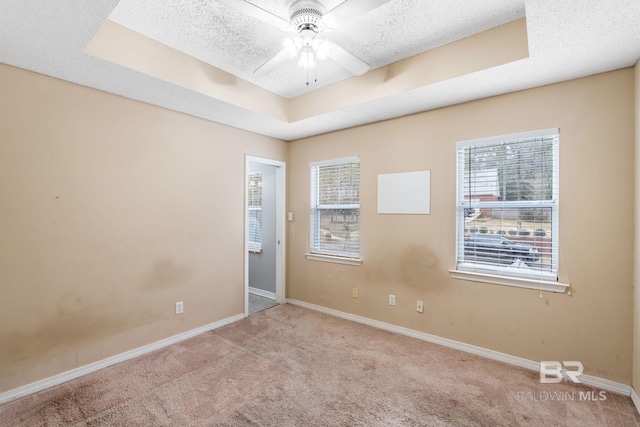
(289, 366)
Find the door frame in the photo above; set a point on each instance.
(281, 216)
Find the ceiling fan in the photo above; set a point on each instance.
(308, 18)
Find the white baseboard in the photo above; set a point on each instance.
(635, 399)
(260, 292)
(589, 380)
(101, 364)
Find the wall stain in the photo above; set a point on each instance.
(77, 321)
(67, 328)
(418, 262)
(165, 274)
(414, 266)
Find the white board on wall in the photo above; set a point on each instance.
(404, 193)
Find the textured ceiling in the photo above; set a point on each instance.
(238, 44)
(567, 39)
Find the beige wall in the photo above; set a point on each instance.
(409, 255)
(636, 287)
(112, 210)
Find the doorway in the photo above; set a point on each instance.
(264, 233)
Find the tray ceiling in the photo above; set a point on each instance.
(408, 44)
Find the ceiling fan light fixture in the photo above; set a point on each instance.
(313, 50)
(308, 36)
(315, 43)
(307, 18)
(307, 59)
(306, 14)
(292, 45)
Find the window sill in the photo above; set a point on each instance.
(335, 259)
(539, 285)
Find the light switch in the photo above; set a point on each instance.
(290, 216)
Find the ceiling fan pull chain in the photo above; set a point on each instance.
(306, 58)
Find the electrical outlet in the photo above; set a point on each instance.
(179, 307)
(354, 293)
(392, 300)
(420, 306)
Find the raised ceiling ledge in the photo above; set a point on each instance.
(491, 48)
(122, 46)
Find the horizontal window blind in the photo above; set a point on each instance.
(254, 214)
(507, 205)
(335, 207)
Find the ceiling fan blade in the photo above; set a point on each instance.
(349, 61)
(350, 9)
(269, 66)
(256, 12)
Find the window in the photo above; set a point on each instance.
(335, 208)
(507, 208)
(254, 214)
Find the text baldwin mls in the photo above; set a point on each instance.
(544, 396)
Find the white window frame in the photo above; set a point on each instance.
(315, 252)
(254, 246)
(547, 281)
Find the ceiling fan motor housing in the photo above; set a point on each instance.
(306, 15)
